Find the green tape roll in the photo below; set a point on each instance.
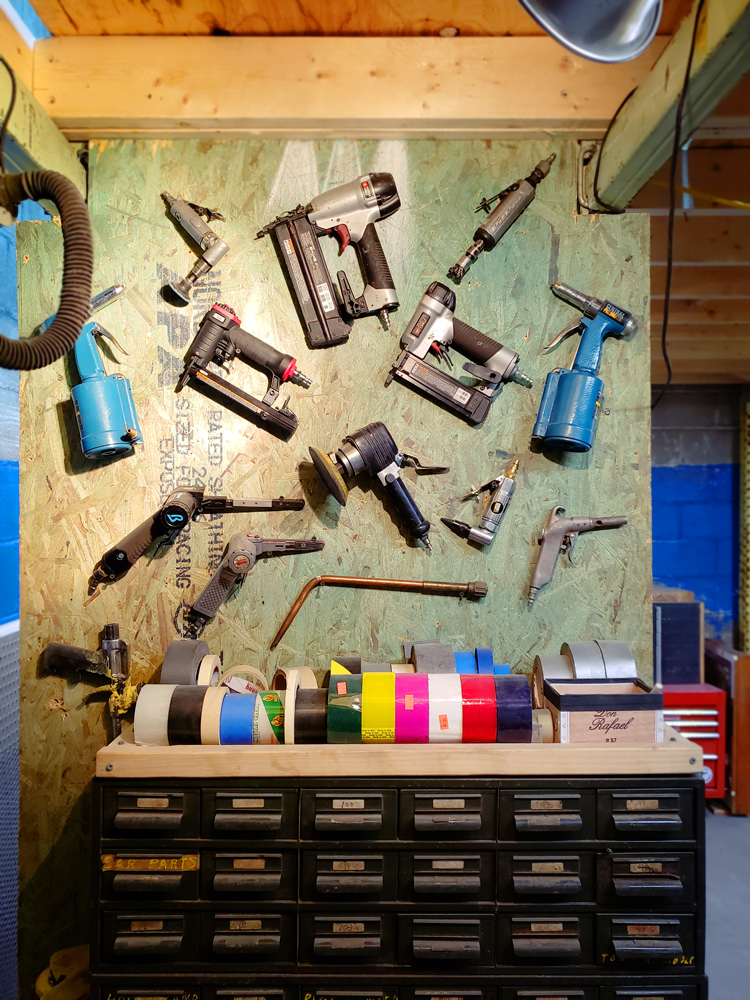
(273, 702)
(345, 708)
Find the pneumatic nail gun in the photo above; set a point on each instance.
(350, 211)
(434, 327)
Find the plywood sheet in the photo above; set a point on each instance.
(72, 509)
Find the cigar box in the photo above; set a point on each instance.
(605, 711)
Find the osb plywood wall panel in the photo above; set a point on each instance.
(72, 509)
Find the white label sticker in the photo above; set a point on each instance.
(448, 866)
(325, 297)
(152, 803)
(348, 803)
(248, 803)
(546, 928)
(449, 803)
(462, 396)
(349, 928)
(348, 866)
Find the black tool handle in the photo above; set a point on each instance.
(476, 346)
(118, 560)
(262, 355)
(372, 259)
(216, 591)
(416, 524)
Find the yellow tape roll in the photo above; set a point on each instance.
(378, 708)
(336, 668)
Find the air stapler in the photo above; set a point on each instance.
(433, 327)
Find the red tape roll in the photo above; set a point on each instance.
(480, 708)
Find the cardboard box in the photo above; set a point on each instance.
(605, 711)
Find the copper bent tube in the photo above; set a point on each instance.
(475, 591)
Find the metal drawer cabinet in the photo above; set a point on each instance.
(535, 878)
(445, 814)
(347, 937)
(638, 880)
(550, 992)
(648, 939)
(248, 938)
(645, 814)
(347, 814)
(458, 939)
(261, 875)
(252, 812)
(366, 876)
(143, 938)
(443, 877)
(547, 814)
(156, 813)
(545, 939)
(143, 875)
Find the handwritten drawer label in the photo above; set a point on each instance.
(349, 928)
(643, 930)
(119, 863)
(641, 805)
(646, 867)
(348, 803)
(348, 866)
(245, 925)
(546, 805)
(547, 867)
(249, 864)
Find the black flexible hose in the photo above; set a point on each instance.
(78, 268)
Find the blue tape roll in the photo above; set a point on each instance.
(466, 663)
(513, 709)
(501, 668)
(236, 721)
(485, 660)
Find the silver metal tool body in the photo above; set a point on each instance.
(212, 248)
(501, 491)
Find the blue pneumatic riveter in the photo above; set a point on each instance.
(572, 396)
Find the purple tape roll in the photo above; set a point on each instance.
(513, 708)
(412, 708)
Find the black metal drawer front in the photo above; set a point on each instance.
(356, 875)
(251, 812)
(545, 878)
(547, 815)
(553, 939)
(448, 876)
(647, 939)
(360, 938)
(350, 813)
(255, 875)
(448, 814)
(162, 813)
(635, 879)
(152, 875)
(550, 993)
(454, 938)
(245, 937)
(154, 937)
(645, 814)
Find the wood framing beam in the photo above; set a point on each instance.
(642, 137)
(326, 87)
(15, 50)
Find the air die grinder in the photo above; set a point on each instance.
(350, 212)
(572, 397)
(211, 247)
(499, 494)
(373, 450)
(434, 327)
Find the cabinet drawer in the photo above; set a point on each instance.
(246, 992)
(448, 877)
(550, 993)
(152, 937)
(545, 938)
(254, 875)
(149, 875)
(448, 815)
(647, 939)
(638, 880)
(450, 993)
(157, 813)
(547, 815)
(354, 875)
(116, 991)
(248, 937)
(248, 812)
(367, 814)
(649, 992)
(645, 814)
(362, 939)
(457, 939)
(350, 993)
(545, 878)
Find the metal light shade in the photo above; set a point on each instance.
(605, 30)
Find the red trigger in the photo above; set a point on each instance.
(343, 234)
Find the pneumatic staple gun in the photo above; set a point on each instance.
(572, 397)
(350, 211)
(220, 339)
(434, 327)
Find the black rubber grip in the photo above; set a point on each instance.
(476, 346)
(122, 556)
(374, 264)
(416, 525)
(260, 353)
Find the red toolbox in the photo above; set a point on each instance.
(698, 712)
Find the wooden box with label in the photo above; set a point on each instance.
(605, 711)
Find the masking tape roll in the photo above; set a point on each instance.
(211, 715)
(151, 719)
(293, 683)
(586, 657)
(310, 715)
(184, 718)
(544, 729)
(236, 721)
(182, 661)
(479, 709)
(412, 709)
(446, 708)
(258, 678)
(344, 724)
(402, 668)
(304, 675)
(619, 661)
(551, 668)
(513, 708)
(378, 708)
(209, 671)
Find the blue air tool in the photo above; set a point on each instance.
(572, 396)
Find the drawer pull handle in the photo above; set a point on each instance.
(127, 819)
(236, 881)
(447, 821)
(247, 821)
(146, 882)
(530, 947)
(530, 822)
(646, 822)
(255, 944)
(537, 885)
(347, 947)
(348, 821)
(468, 884)
(349, 883)
(671, 887)
(127, 945)
(447, 949)
(638, 949)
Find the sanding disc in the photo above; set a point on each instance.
(182, 661)
(330, 475)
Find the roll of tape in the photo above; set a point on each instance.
(344, 724)
(479, 709)
(211, 716)
(270, 704)
(376, 668)
(618, 658)
(513, 709)
(258, 680)
(501, 668)
(182, 661)
(586, 657)
(402, 668)
(184, 719)
(543, 727)
(209, 671)
(293, 679)
(466, 662)
(337, 668)
(412, 708)
(430, 657)
(304, 675)
(236, 721)
(446, 708)
(551, 668)
(485, 660)
(378, 708)
(262, 732)
(351, 663)
(151, 720)
(310, 715)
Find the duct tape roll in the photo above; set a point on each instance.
(151, 720)
(412, 708)
(310, 715)
(402, 668)
(513, 709)
(376, 668)
(378, 708)
(258, 680)
(466, 662)
(262, 731)
(551, 668)
(479, 709)
(236, 721)
(586, 657)
(270, 729)
(485, 660)
(182, 661)
(304, 675)
(184, 718)
(209, 671)
(446, 708)
(618, 658)
(211, 716)
(433, 658)
(352, 663)
(543, 729)
(344, 722)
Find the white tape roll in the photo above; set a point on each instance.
(446, 708)
(211, 715)
(151, 720)
(587, 659)
(209, 672)
(543, 730)
(304, 675)
(259, 680)
(550, 668)
(618, 658)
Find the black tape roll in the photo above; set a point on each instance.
(182, 661)
(184, 718)
(352, 663)
(513, 708)
(310, 715)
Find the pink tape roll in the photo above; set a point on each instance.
(412, 708)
